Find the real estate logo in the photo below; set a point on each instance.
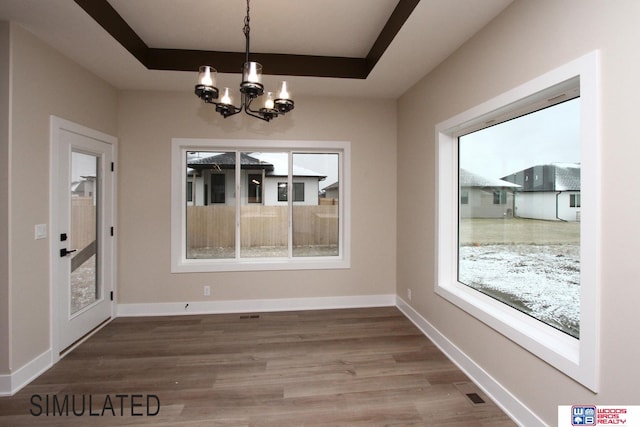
(598, 415)
(583, 415)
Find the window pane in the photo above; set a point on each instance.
(519, 230)
(218, 187)
(210, 218)
(298, 191)
(315, 207)
(282, 192)
(264, 220)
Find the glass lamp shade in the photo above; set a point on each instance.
(283, 103)
(207, 76)
(206, 86)
(283, 91)
(268, 101)
(225, 106)
(226, 98)
(252, 79)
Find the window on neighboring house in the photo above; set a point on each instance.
(464, 197)
(261, 229)
(574, 200)
(217, 188)
(254, 188)
(499, 197)
(298, 191)
(189, 191)
(532, 275)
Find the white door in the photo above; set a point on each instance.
(81, 231)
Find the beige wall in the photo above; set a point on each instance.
(43, 83)
(4, 194)
(147, 121)
(528, 39)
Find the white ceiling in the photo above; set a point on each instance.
(435, 29)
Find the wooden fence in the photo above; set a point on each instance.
(83, 222)
(261, 226)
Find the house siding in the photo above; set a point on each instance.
(480, 204)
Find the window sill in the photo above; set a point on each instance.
(258, 264)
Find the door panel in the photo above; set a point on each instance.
(82, 217)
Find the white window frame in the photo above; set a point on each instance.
(181, 264)
(577, 358)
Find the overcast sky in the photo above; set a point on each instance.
(547, 136)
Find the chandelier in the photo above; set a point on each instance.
(250, 88)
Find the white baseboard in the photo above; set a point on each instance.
(11, 384)
(262, 305)
(500, 395)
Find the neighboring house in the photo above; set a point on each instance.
(211, 180)
(550, 192)
(482, 197)
(85, 187)
(332, 191)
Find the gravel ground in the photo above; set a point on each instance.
(542, 281)
(531, 265)
(83, 285)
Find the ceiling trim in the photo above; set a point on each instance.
(227, 62)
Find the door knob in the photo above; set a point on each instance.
(64, 252)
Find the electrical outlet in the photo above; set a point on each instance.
(409, 294)
(207, 291)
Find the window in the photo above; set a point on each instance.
(574, 200)
(189, 191)
(254, 188)
(530, 268)
(499, 197)
(298, 191)
(530, 260)
(261, 229)
(464, 197)
(217, 188)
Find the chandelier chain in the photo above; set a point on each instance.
(246, 30)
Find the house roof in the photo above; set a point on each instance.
(548, 177)
(567, 176)
(333, 186)
(228, 161)
(470, 179)
(274, 167)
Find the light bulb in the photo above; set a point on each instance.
(226, 99)
(253, 76)
(268, 102)
(207, 76)
(284, 93)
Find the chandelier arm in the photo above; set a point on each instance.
(257, 113)
(226, 110)
(257, 116)
(235, 111)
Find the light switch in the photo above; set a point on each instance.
(41, 231)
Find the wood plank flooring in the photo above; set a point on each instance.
(353, 367)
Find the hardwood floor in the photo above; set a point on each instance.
(354, 367)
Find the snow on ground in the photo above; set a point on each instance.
(541, 280)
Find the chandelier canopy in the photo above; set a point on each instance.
(250, 88)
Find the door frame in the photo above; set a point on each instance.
(58, 124)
